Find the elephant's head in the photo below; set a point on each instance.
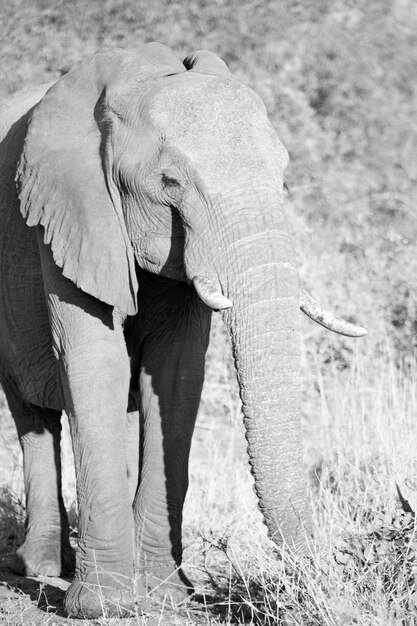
(131, 153)
(134, 156)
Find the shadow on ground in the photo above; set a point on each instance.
(32, 599)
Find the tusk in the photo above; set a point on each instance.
(210, 293)
(327, 319)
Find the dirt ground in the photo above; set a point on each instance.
(39, 602)
(31, 600)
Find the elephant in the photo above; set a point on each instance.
(140, 193)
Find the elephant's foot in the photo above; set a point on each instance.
(45, 556)
(89, 600)
(165, 582)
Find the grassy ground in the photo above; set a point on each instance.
(339, 82)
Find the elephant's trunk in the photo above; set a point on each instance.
(257, 274)
(264, 330)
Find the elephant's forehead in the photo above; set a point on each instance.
(205, 103)
(209, 116)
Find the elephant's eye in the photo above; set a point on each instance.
(170, 183)
(172, 189)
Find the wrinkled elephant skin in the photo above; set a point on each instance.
(138, 193)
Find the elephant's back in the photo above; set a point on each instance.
(14, 115)
(17, 105)
(26, 358)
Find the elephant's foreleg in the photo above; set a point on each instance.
(104, 569)
(171, 379)
(94, 377)
(46, 549)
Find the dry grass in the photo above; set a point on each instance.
(340, 83)
(362, 563)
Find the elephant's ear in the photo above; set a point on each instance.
(206, 62)
(61, 180)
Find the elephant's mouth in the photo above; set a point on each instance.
(161, 254)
